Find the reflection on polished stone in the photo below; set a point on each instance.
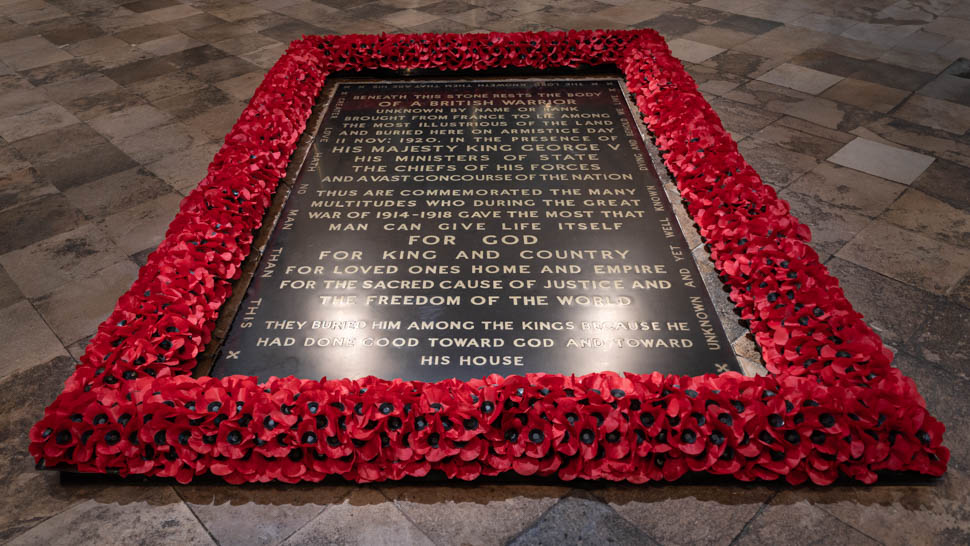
(460, 228)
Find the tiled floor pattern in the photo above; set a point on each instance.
(857, 112)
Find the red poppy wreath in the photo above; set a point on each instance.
(832, 405)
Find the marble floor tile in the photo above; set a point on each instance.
(917, 211)
(954, 27)
(116, 57)
(66, 92)
(215, 122)
(222, 69)
(21, 185)
(884, 35)
(94, 45)
(215, 33)
(28, 341)
(30, 52)
(688, 514)
(200, 20)
(712, 82)
(169, 44)
(938, 385)
(950, 88)
(916, 60)
(909, 12)
(192, 103)
(84, 166)
(941, 342)
(157, 516)
(923, 42)
(140, 6)
(140, 70)
(22, 99)
(750, 25)
(259, 513)
(441, 25)
(157, 142)
(76, 309)
(195, 56)
(878, 159)
(502, 511)
(832, 226)
(183, 170)
(895, 310)
(767, 96)
(241, 87)
(831, 114)
(582, 519)
(141, 226)
(691, 51)
(947, 181)
(405, 4)
(892, 514)
(783, 42)
(902, 255)
(236, 13)
(925, 139)
(959, 47)
(45, 147)
(343, 523)
(129, 121)
(36, 220)
(776, 165)
(238, 45)
(670, 25)
(863, 94)
(740, 119)
(798, 141)
(265, 57)
(635, 12)
(859, 192)
(800, 78)
(46, 265)
(823, 23)
(408, 18)
(939, 114)
(34, 122)
(166, 85)
(718, 36)
(290, 30)
(116, 192)
(742, 64)
(9, 293)
(146, 33)
(62, 71)
(172, 13)
(892, 75)
(788, 519)
(829, 62)
(30, 496)
(71, 32)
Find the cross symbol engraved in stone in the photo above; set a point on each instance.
(234, 355)
(722, 367)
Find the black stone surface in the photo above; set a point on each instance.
(371, 270)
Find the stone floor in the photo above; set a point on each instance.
(857, 111)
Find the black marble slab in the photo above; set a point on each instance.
(444, 229)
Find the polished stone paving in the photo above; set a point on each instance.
(857, 112)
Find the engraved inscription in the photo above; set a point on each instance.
(457, 229)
